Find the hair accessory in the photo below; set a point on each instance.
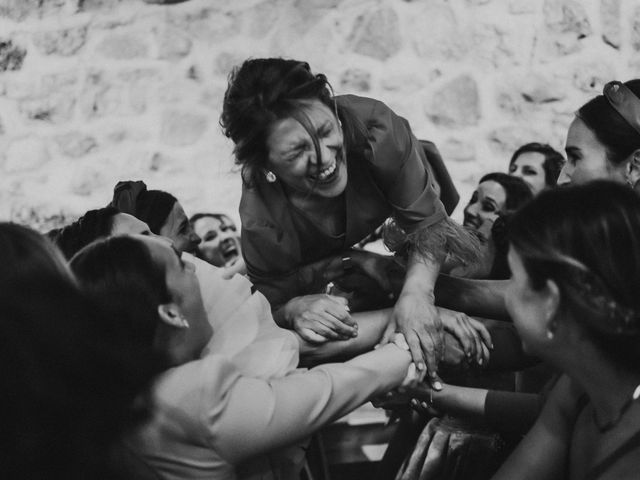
(270, 176)
(624, 101)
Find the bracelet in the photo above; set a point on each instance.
(347, 264)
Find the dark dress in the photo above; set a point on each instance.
(383, 160)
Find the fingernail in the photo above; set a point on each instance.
(346, 307)
(480, 361)
(420, 366)
(437, 386)
(468, 354)
(414, 403)
(491, 346)
(424, 405)
(433, 375)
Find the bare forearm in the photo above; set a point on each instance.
(484, 298)
(371, 326)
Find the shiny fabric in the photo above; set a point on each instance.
(382, 164)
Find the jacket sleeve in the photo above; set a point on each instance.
(256, 416)
(400, 168)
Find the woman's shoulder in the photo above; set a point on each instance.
(365, 108)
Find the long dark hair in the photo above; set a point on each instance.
(610, 128)
(516, 190)
(70, 388)
(262, 91)
(585, 238)
(92, 225)
(119, 274)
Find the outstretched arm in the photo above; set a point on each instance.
(484, 298)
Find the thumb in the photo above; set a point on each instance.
(388, 333)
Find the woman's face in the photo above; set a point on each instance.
(529, 167)
(526, 306)
(292, 156)
(486, 203)
(220, 241)
(183, 287)
(177, 228)
(587, 157)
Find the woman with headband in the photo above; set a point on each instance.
(160, 210)
(320, 173)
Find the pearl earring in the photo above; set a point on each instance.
(550, 334)
(270, 176)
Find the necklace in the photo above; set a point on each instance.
(613, 422)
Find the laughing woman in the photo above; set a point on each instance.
(319, 174)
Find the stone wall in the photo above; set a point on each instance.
(94, 91)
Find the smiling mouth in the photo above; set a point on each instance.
(327, 174)
(229, 250)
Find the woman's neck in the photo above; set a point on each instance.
(608, 387)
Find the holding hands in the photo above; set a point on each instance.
(320, 318)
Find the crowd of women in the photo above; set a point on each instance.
(141, 343)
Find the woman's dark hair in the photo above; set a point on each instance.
(151, 206)
(92, 225)
(516, 190)
(24, 253)
(119, 274)
(552, 164)
(70, 388)
(221, 217)
(585, 238)
(262, 91)
(610, 128)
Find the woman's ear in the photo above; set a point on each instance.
(551, 305)
(170, 314)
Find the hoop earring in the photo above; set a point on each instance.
(270, 176)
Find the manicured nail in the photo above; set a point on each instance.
(424, 405)
(420, 366)
(468, 354)
(414, 403)
(437, 386)
(434, 374)
(480, 361)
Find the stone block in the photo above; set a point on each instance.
(227, 61)
(164, 2)
(86, 181)
(566, 22)
(610, 18)
(376, 34)
(635, 29)
(60, 42)
(591, 76)
(519, 7)
(507, 139)
(457, 150)
(355, 80)
(180, 128)
(408, 82)
(75, 144)
(56, 108)
(207, 24)
(11, 56)
(123, 46)
(26, 154)
(19, 10)
(457, 103)
(100, 96)
(436, 34)
(537, 89)
(263, 17)
(172, 44)
(99, 5)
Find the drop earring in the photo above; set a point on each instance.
(270, 176)
(185, 323)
